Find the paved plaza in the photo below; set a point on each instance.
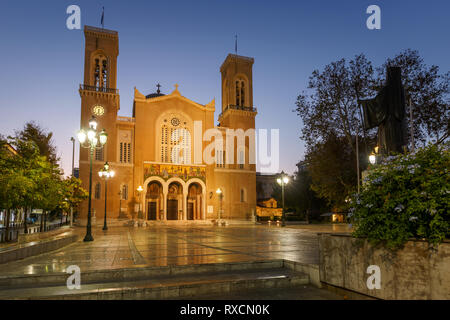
(161, 245)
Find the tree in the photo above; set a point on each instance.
(73, 193)
(15, 184)
(332, 107)
(332, 118)
(308, 200)
(299, 196)
(331, 166)
(28, 180)
(44, 141)
(51, 188)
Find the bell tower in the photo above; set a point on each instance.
(238, 176)
(237, 81)
(237, 93)
(99, 97)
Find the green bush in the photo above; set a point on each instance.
(405, 196)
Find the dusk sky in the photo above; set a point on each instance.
(185, 42)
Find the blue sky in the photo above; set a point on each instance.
(185, 42)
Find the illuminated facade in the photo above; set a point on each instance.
(155, 147)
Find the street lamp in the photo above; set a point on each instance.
(372, 158)
(105, 173)
(139, 190)
(73, 153)
(220, 194)
(282, 181)
(90, 139)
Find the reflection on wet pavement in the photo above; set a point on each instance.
(121, 247)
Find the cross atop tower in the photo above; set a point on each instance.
(158, 86)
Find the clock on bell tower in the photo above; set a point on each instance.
(99, 94)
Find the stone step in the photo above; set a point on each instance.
(135, 273)
(20, 251)
(168, 287)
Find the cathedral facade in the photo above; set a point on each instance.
(159, 153)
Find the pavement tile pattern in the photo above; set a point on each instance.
(121, 247)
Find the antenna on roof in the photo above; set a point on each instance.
(235, 44)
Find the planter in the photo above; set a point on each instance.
(413, 272)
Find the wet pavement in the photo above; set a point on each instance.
(121, 247)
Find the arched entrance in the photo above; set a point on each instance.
(175, 201)
(154, 199)
(194, 202)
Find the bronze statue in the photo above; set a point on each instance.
(387, 111)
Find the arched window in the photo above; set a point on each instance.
(242, 195)
(97, 191)
(175, 143)
(101, 74)
(240, 92)
(164, 144)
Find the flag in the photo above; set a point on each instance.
(235, 44)
(103, 17)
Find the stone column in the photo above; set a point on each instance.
(198, 209)
(203, 199)
(165, 206)
(185, 206)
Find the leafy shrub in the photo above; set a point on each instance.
(405, 196)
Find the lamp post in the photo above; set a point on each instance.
(90, 139)
(220, 194)
(105, 173)
(139, 190)
(73, 153)
(282, 181)
(372, 158)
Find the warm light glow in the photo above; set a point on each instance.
(93, 123)
(140, 189)
(279, 181)
(112, 173)
(376, 149)
(106, 166)
(218, 191)
(372, 159)
(103, 137)
(285, 180)
(95, 141)
(91, 135)
(100, 174)
(81, 135)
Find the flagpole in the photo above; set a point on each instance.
(103, 18)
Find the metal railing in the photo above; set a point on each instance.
(98, 89)
(234, 107)
(16, 228)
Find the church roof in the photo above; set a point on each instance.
(154, 95)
